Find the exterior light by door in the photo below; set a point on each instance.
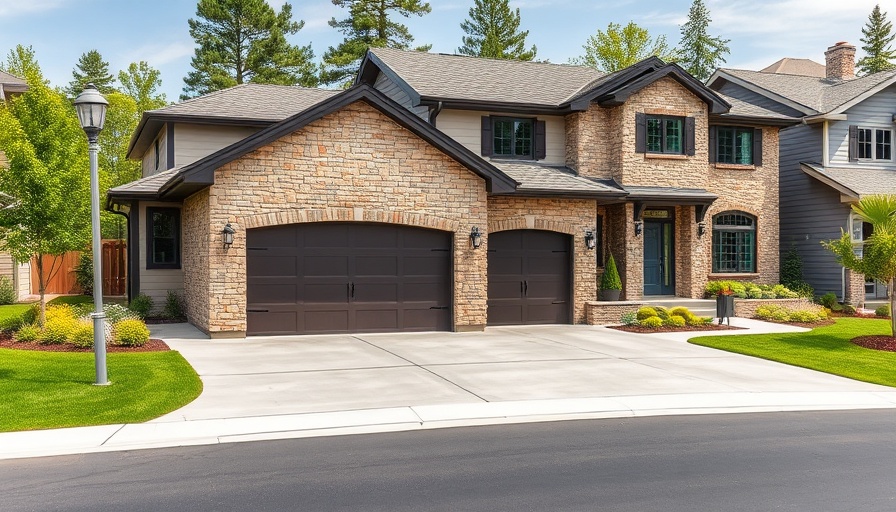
(228, 233)
(701, 228)
(639, 227)
(590, 241)
(475, 237)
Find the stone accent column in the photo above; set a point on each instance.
(627, 249)
(854, 289)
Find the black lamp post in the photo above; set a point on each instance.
(91, 106)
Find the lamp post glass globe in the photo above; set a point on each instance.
(91, 107)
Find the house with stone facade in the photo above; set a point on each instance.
(444, 192)
(18, 273)
(841, 150)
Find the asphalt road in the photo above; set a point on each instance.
(820, 461)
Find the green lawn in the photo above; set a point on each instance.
(43, 390)
(825, 349)
(12, 310)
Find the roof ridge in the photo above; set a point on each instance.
(493, 59)
(202, 96)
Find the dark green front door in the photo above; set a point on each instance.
(659, 259)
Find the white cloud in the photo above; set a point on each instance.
(159, 54)
(11, 8)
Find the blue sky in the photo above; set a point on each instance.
(124, 31)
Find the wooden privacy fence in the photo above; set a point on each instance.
(115, 264)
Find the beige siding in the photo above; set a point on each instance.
(157, 282)
(194, 141)
(465, 126)
(149, 157)
(24, 282)
(18, 275)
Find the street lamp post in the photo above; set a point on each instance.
(91, 106)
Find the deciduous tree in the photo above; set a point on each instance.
(141, 82)
(242, 41)
(493, 31)
(700, 52)
(878, 39)
(368, 25)
(620, 47)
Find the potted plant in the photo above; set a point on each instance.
(610, 283)
(725, 304)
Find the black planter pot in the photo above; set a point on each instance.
(610, 295)
(724, 307)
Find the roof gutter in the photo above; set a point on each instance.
(820, 118)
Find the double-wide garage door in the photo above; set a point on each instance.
(347, 277)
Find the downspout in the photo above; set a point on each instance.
(434, 113)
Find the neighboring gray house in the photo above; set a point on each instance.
(842, 150)
(18, 273)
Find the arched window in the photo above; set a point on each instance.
(733, 242)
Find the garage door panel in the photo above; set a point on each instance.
(432, 264)
(376, 292)
(273, 237)
(377, 319)
(322, 235)
(426, 320)
(324, 321)
(376, 265)
(373, 237)
(547, 313)
(423, 292)
(271, 293)
(271, 266)
(323, 266)
(327, 293)
(275, 322)
(499, 264)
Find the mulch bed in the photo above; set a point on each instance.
(876, 342)
(688, 328)
(153, 345)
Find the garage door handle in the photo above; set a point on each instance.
(258, 311)
(353, 290)
(559, 302)
(526, 288)
(438, 307)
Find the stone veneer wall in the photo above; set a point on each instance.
(195, 260)
(354, 165)
(854, 292)
(609, 313)
(570, 216)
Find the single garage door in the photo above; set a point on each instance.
(347, 277)
(528, 277)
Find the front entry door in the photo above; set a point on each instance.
(659, 258)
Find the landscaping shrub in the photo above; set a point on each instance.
(8, 293)
(652, 322)
(58, 329)
(754, 292)
(82, 334)
(116, 313)
(11, 324)
(629, 318)
(27, 333)
(782, 292)
(174, 306)
(662, 312)
(828, 300)
(610, 279)
(804, 290)
(130, 333)
(686, 315)
(675, 321)
(84, 272)
(804, 316)
(768, 295)
(715, 287)
(772, 312)
(883, 310)
(141, 304)
(645, 312)
(849, 309)
(32, 314)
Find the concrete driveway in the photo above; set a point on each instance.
(265, 376)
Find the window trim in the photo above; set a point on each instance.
(664, 118)
(753, 228)
(855, 144)
(150, 211)
(531, 121)
(736, 130)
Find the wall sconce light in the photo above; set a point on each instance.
(639, 227)
(590, 241)
(475, 237)
(701, 228)
(227, 233)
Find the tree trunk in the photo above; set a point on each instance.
(41, 289)
(891, 294)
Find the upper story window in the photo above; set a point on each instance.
(513, 137)
(736, 145)
(733, 243)
(157, 159)
(162, 238)
(664, 135)
(870, 144)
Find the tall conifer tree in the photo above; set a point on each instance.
(91, 68)
(878, 39)
(493, 31)
(700, 52)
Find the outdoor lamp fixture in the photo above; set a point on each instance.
(475, 237)
(639, 227)
(590, 241)
(701, 228)
(227, 233)
(91, 107)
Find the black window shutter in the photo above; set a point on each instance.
(713, 150)
(540, 149)
(640, 132)
(853, 143)
(689, 131)
(757, 147)
(487, 136)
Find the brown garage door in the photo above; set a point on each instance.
(528, 277)
(347, 277)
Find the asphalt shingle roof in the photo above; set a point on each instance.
(533, 176)
(789, 66)
(819, 94)
(249, 101)
(149, 185)
(458, 77)
(743, 108)
(863, 181)
(7, 79)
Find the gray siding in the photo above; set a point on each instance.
(157, 282)
(875, 112)
(810, 210)
(195, 141)
(149, 157)
(385, 85)
(736, 91)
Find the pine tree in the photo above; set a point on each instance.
(243, 41)
(700, 52)
(879, 54)
(620, 47)
(368, 26)
(91, 68)
(493, 31)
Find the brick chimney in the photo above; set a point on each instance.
(840, 61)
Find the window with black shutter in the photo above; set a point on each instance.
(669, 135)
(511, 137)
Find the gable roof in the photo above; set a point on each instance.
(853, 182)
(11, 83)
(243, 105)
(808, 94)
(180, 183)
(789, 66)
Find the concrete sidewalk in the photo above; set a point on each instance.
(302, 386)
